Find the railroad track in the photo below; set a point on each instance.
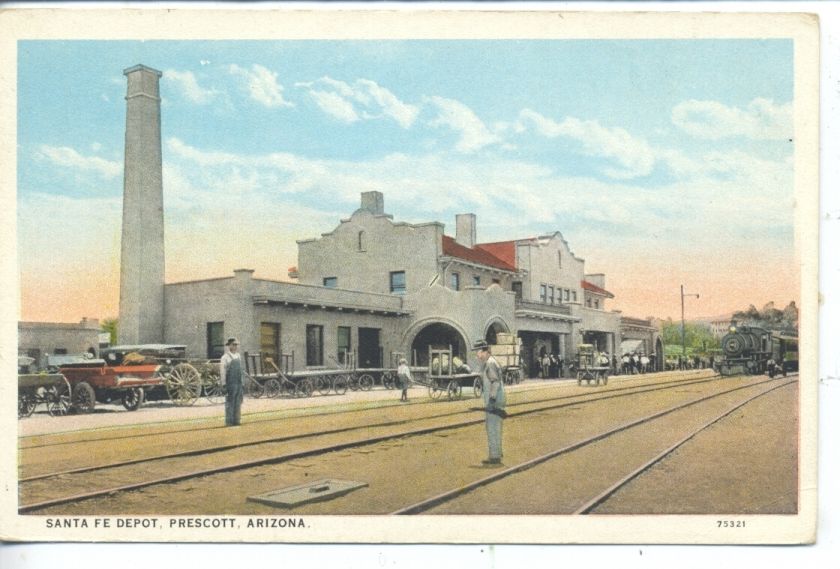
(521, 409)
(593, 502)
(238, 444)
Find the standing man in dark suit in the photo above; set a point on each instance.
(494, 400)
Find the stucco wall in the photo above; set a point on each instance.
(388, 247)
(540, 258)
(47, 337)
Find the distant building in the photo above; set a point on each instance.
(41, 339)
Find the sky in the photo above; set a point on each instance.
(661, 162)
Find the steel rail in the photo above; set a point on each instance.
(291, 456)
(271, 419)
(580, 398)
(454, 493)
(606, 494)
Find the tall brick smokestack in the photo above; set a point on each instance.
(142, 254)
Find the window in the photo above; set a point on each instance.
(542, 293)
(343, 343)
(566, 293)
(455, 281)
(60, 351)
(361, 242)
(215, 340)
(596, 303)
(270, 341)
(574, 296)
(559, 259)
(476, 280)
(516, 287)
(330, 282)
(588, 303)
(398, 282)
(314, 345)
(551, 295)
(497, 281)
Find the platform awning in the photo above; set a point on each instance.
(630, 346)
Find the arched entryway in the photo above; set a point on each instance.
(495, 327)
(437, 335)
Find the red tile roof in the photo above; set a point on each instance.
(505, 251)
(475, 255)
(596, 289)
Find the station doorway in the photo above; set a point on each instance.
(597, 339)
(492, 331)
(370, 352)
(534, 346)
(437, 336)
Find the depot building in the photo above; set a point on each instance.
(372, 287)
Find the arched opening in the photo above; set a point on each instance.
(493, 330)
(438, 336)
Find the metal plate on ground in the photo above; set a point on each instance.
(326, 489)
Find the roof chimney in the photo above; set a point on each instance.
(374, 202)
(465, 229)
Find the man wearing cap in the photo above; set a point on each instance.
(230, 369)
(494, 400)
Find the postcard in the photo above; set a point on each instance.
(408, 276)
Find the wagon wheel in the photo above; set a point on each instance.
(323, 385)
(84, 398)
(59, 401)
(272, 388)
(304, 388)
(253, 387)
(287, 388)
(132, 398)
(478, 387)
(339, 384)
(214, 389)
(353, 382)
(366, 382)
(183, 383)
(435, 391)
(453, 390)
(388, 380)
(26, 404)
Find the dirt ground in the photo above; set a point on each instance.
(410, 469)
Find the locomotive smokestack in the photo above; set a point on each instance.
(142, 251)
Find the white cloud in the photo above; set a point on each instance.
(634, 155)
(262, 85)
(189, 87)
(335, 105)
(363, 99)
(761, 120)
(70, 158)
(460, 118)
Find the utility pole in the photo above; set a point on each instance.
(683, 294)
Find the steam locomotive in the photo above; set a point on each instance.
(748, 349)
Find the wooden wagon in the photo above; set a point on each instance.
(50, 389)
(590, 366)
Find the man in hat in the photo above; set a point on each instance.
(230, 369)
(494, 400)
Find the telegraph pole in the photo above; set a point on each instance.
(683, 294)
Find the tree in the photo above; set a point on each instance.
(111, 325)
(698, 337)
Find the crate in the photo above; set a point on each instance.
(506, 338)
(504, 349)
(507, 361)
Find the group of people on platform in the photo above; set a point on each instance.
(690, 362)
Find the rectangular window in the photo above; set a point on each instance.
(455, 281)
(551, 295)
(497, 281)
(476, 280)
(314, 345)
(330, 282)
(516, 287)
(559, 295)
(60, 351)
(596, 303)
(343, 343)
(560, 259)
(398, 282)
(588, 303)
(574, 295)
(215, 340)
(566, 294)
(543, 292)
(270, 342)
